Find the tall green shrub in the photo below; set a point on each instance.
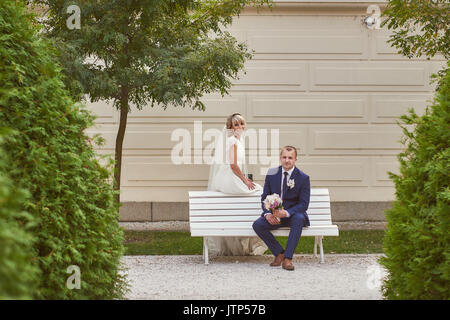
(18, 273)
(417, 241)
(70, 194)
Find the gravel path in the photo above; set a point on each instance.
(342, 276)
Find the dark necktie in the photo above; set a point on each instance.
(285, 187)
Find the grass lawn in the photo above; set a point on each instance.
(179, 243)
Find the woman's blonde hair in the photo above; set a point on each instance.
(234, 118)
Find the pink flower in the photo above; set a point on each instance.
(273, 201)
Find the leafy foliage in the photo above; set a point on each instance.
(160, 51)
(417, 242)
(420, 28)
(70, 198)
(18, 274)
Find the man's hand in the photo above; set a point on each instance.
(271, 219)
(280, 213)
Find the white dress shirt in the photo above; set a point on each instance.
(287, 177)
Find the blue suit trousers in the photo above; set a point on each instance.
(262, 228)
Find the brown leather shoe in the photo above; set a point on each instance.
(287, 264)
(277, 261)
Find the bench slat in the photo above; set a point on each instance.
(254, 216)
(231, 212)
(331, 230)
(247, 218)
(204, 194)
(314, 223)
(221, 225)
(256, 212)
(247, 200)
(242, 225)
(220, 206)
(254, 205)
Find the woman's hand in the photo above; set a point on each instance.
(249, 183)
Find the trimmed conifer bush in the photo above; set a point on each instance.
(70, 196)
(417, 240)
(18, 273)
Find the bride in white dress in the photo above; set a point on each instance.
(230, 177)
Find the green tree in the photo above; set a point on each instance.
(18, 273)
(74, 211)
(420, 28)
(147, 52)
(417, 243)
(417, 240)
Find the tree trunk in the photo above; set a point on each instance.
(119, 139)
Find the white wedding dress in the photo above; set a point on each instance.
(223, 179)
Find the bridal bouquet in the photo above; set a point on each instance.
(273, 202)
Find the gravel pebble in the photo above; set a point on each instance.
(341, 277)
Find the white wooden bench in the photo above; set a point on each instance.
(213, 214)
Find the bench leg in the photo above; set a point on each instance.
(322, 258)
(205, 250)
(315, 246)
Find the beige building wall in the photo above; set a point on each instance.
(333, 88)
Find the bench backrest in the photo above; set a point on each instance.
(211, 206)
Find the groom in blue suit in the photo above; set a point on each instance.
(294, 189)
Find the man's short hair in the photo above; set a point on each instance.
(288, 148)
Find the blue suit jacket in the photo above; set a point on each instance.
(296, 199)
